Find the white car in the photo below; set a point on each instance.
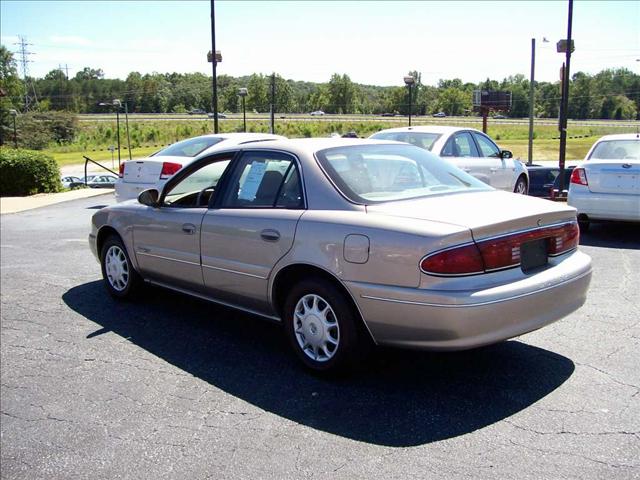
(317, 113)
(468, 149)
(155, 170)
(606, 186)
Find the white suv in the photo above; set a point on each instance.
(154, 171)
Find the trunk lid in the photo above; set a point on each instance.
(486, 214)
(147, 170)
(613, 176)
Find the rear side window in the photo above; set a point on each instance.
(189, 148)
(263, 180)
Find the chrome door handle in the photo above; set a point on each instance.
(189, 228)
(494, 169)
(270, 235)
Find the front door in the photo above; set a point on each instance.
(251, 228)
(461, 150)
(167, 238)
(502, 170)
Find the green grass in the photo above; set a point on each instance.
(148, 136)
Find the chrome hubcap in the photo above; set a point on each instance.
(316, 328)
(116, 268)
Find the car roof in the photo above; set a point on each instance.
(441, 129)
(239, 136)
(620, 136)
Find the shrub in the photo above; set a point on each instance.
(25, 172)
(36, 130)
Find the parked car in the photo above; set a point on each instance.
(82, 181)
(69, 180)
(440, 115)
(196, 111)
(606, 186)
(317, 113)
(470, 150)
(102, 181)
(349, 241)
(544, 182)
(154, 171)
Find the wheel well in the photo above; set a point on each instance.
(104, 233)
(526, 180)
(290, 275)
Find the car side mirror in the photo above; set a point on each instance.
(149, 197)
(505, 154)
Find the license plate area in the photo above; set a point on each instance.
(533, 254)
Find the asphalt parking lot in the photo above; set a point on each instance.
(171, 387)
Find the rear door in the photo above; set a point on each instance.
(251, 227)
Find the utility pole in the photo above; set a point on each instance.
(565, 98)
(214, 99)
(531, 94)
(273, 102)
(24, 62)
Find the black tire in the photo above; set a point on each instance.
(521, 186)
(584, 225)
(119, 286)
(347, 351)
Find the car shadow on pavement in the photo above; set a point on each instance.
(399, 399)
(612, 235)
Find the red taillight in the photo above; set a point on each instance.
(499, 253)
(579, 176)
(168, 169)
(121, 170)
(465, 260)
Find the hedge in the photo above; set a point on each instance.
(25, 172)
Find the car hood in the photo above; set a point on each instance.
(486, 213)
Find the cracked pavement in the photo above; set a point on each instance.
(173, 387)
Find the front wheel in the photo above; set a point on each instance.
(120, 278)
(321, 326)
(521, 186)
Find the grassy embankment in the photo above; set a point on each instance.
(149, 136)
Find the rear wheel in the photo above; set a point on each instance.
(320, 323)
(521, 186)
(120, 278)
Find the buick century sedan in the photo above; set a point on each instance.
(348, 243)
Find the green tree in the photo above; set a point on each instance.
(12, 92)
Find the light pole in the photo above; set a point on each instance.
(14, 113)
(565, 46)
(243, 93)
(118, 103)
(531, 97)
(409, 81)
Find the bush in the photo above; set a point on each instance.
(25, 172)
(37, 130)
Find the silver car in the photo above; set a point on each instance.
(348, 242)
(468, 149)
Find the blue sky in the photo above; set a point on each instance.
(373, 42)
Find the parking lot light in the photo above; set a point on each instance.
(243, 92)
(410, 81)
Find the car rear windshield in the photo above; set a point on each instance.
(419, 139)
(189, 148)
(616, 150)
(368, 174)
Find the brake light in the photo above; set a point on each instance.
(579, 176)
(168, 169)
(121, 170)
(499, 253)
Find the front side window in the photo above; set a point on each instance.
(263, 180)
(189, 148)
(419, 139)
(197, 188)
(616, 150)
(487, 147)
(368, 174)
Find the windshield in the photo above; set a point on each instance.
(616, 150)
(419, 139)
(189, 148)
(368, 174)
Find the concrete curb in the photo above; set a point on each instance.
(20, 204)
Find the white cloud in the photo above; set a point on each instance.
(71, 40)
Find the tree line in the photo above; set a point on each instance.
(609, 94)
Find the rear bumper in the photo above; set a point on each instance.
(458, 320)
(605, 206)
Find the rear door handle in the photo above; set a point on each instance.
(270, 235)
(189, 228)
